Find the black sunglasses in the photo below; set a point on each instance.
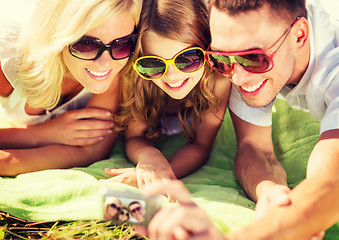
(137, 209)
(90, 48)
(113, 205)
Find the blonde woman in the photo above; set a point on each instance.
(175, 91)
(69, 55)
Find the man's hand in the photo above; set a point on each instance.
(276, 195)
(183, 221)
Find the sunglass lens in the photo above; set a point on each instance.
(220, 63)
(136, 209)
(151, 68)
(85, 49)
(256, 63)
(123, 48)
(190, 61)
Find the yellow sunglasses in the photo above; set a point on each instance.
(188, 60)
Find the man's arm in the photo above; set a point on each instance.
(256, 166)
(314, 208)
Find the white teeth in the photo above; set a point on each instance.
(252, 88)
(98, 74)
(177, 84)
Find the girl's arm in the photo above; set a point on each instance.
(193, 155)
(13, 162)
(149, 161)
(152, 165)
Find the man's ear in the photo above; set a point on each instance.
(301, 32)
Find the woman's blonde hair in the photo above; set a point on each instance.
(54, 25)
(185, 21)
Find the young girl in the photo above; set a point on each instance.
(68, 51)
(173, 87)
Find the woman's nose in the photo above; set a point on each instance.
(105, 59)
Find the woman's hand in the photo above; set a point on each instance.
(79, 127)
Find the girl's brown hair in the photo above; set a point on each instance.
(185, 21)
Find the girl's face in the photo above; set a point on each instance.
(175, 83)
(97, 75)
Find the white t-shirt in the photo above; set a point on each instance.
(318, 90)
(12, 108)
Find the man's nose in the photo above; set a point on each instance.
(239, 76)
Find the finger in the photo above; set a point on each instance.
(260, 209)
(278, 196)
(283, 198)
(170, 197)
(84, 141)
(141, 182)
(94, 124)
(175, 188)
(141, 230)
(163, 223)
(91, 112)
(91, 134)
(172, 222)
(318, 236)
(117, 171)
(180, 233)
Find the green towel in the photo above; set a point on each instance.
(74, 194)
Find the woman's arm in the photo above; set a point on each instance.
(77, 127)
(15, 161)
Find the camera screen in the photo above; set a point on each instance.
(124, 210)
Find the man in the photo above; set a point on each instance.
(137, 211)
(270, 47)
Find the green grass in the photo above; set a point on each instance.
(15, 228)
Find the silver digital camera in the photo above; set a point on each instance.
(129, 207)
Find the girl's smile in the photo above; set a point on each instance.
(176, 86)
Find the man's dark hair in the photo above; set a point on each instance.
(293, 7)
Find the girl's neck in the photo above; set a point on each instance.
(173, 105)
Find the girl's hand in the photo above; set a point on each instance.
(123, 175)
(154, 169)
(79, 127)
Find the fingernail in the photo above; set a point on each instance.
(100, 138)
(108, 113)
(109, 131)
